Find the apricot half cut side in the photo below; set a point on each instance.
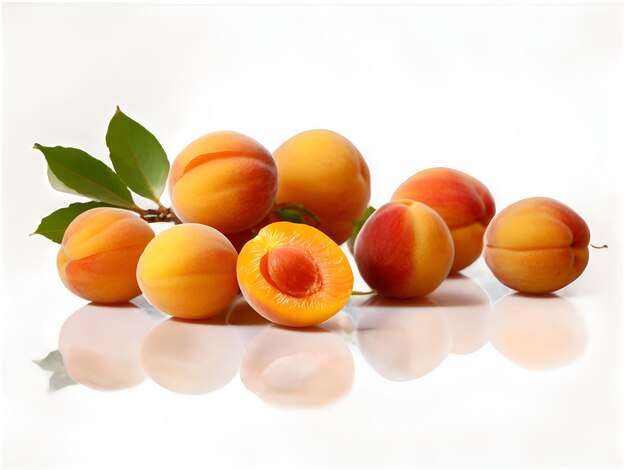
(294, 275)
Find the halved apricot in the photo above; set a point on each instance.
(294, 275)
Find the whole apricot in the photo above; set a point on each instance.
(294, 275)
(404, 250)
(189, 271)
(326, 173)
(224, 179)
(464, 203)
(99, 254)
(537, 245)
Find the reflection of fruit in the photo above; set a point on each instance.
(189, 271)
(404, 250)
(99, 253)
(537, 333)
(294, 275)
(308, 367)
(100, 345)
(325, 172)
(223, 179)
(191, 358)
(245, 320)
(463, 202)
(537, 245)
(466, 306)
(403, 343)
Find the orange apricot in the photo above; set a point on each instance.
(404, 250)
(189, 271)
(99, 254)
(326, 173)
(537, 245)
(223, 179)
(464, 203)
(294, 275)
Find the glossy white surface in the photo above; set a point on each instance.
(526, 98)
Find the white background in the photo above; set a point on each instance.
(526, 98)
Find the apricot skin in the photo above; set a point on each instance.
(223, 179)
(404, 250)
(537, 245)
(464, 203)
(99, 254)
(326, 173)
(189, 271)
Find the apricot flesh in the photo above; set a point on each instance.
(294, 275)
(189, 271)
(323, 171)
(464, 203)
(404, 250)
(99, 254)
(223, 179)
(537, 245)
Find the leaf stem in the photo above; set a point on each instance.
(598, 247)
(358, 292)
(162, 214)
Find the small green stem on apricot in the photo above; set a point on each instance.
(358, 292)
(598, 247)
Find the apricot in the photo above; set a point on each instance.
(464, 203)
(294, 275)
(223, 179)
(324, 172)
(100, 345)
(189, 271)
(404, 250)
(288, 368)
(99, 253)
(537, 245)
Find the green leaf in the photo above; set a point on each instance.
(56, 184)
(137, 156)
(54, 225)
(88, 176)
(295, 213)
(358, 225)
(290, 215)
